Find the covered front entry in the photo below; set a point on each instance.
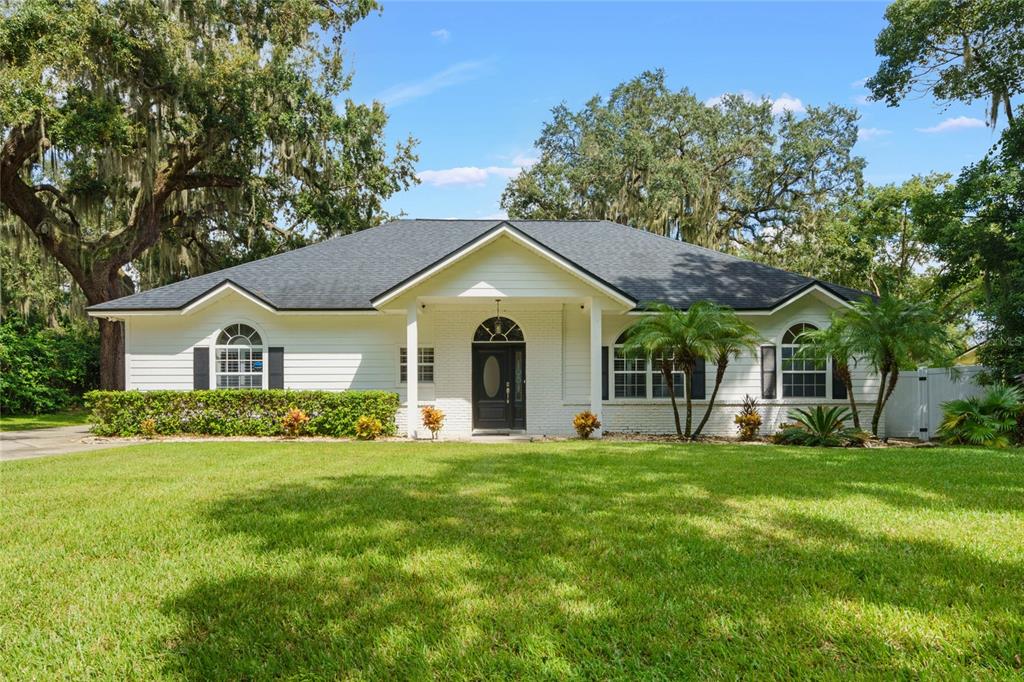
(499, 376)
(480, 382)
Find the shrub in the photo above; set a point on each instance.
(44, 369)
(820, 427)
(585, 423)
(147, 427)
(748, 421)
(433, 419)
(990, 420)
(237, 412)
(294, 422)
(368, 428)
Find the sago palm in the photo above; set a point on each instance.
(679, 338)
(730, 338)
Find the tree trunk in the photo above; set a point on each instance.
(879, 402)
(667, 372)
(894, 375)
(111, 355)
(688, 373)
(111, 331)
(844, 375)
(719, 375)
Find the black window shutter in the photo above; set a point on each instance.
(768, 371)
(276, 367)
(699, 382)
(604, 372)
(200, 368)
(838, 387)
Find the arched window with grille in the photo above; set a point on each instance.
(239, 357)
(498, 330)
(803, 376)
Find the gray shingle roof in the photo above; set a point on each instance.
(348, 272)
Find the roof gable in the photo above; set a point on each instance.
(486, 242)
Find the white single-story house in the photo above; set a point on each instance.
(514, 325)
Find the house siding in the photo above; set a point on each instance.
(341, 352)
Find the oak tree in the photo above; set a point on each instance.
(134, 127)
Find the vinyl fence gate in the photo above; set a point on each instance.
(915, 408)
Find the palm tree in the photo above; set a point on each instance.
(679, 338)
(833, 341)
(892, 334)
(731, 336)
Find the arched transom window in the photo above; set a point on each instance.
(239, 359)
(803, 376)
(498, 330)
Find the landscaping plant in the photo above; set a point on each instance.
(893, 334)
(368, 428)
(294, 423)
(748, 421)
(44, 370)
(990, 420)
(585, 423)
(730, 338)
(680, 337)
(433, 419)
(147, 428)
(238, 412)
(820, 427)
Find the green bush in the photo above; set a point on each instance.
(237, 412)
(993, 419)
(44, 369)
(820, 427)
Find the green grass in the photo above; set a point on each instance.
(24, 422)
(569, 560)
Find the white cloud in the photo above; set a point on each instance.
(862, 100)
(523, 161)
(442, 35)
(868, 134)
(467, 175)
(475, 175)
(781, 105)
(453, 75)
(958, 123)
(860, 82)
(786, 103)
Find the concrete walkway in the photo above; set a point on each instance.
(61, 440)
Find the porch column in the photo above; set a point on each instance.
(412, 370)
(595, 363)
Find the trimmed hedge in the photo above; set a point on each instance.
(237, 412)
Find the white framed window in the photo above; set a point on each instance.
(638, 377)
(629, 372)
(426, 365)
(659, 388)
(803, 376)
(238, 357)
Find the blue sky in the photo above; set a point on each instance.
(475, 81)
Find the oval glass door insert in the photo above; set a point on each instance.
(492, 376)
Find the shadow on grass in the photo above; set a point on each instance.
(599, 562)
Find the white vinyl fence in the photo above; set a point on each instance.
(915, 408)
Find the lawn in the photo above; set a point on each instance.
(568, 560)
(23, 422)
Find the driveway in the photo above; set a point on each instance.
(61, 440)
